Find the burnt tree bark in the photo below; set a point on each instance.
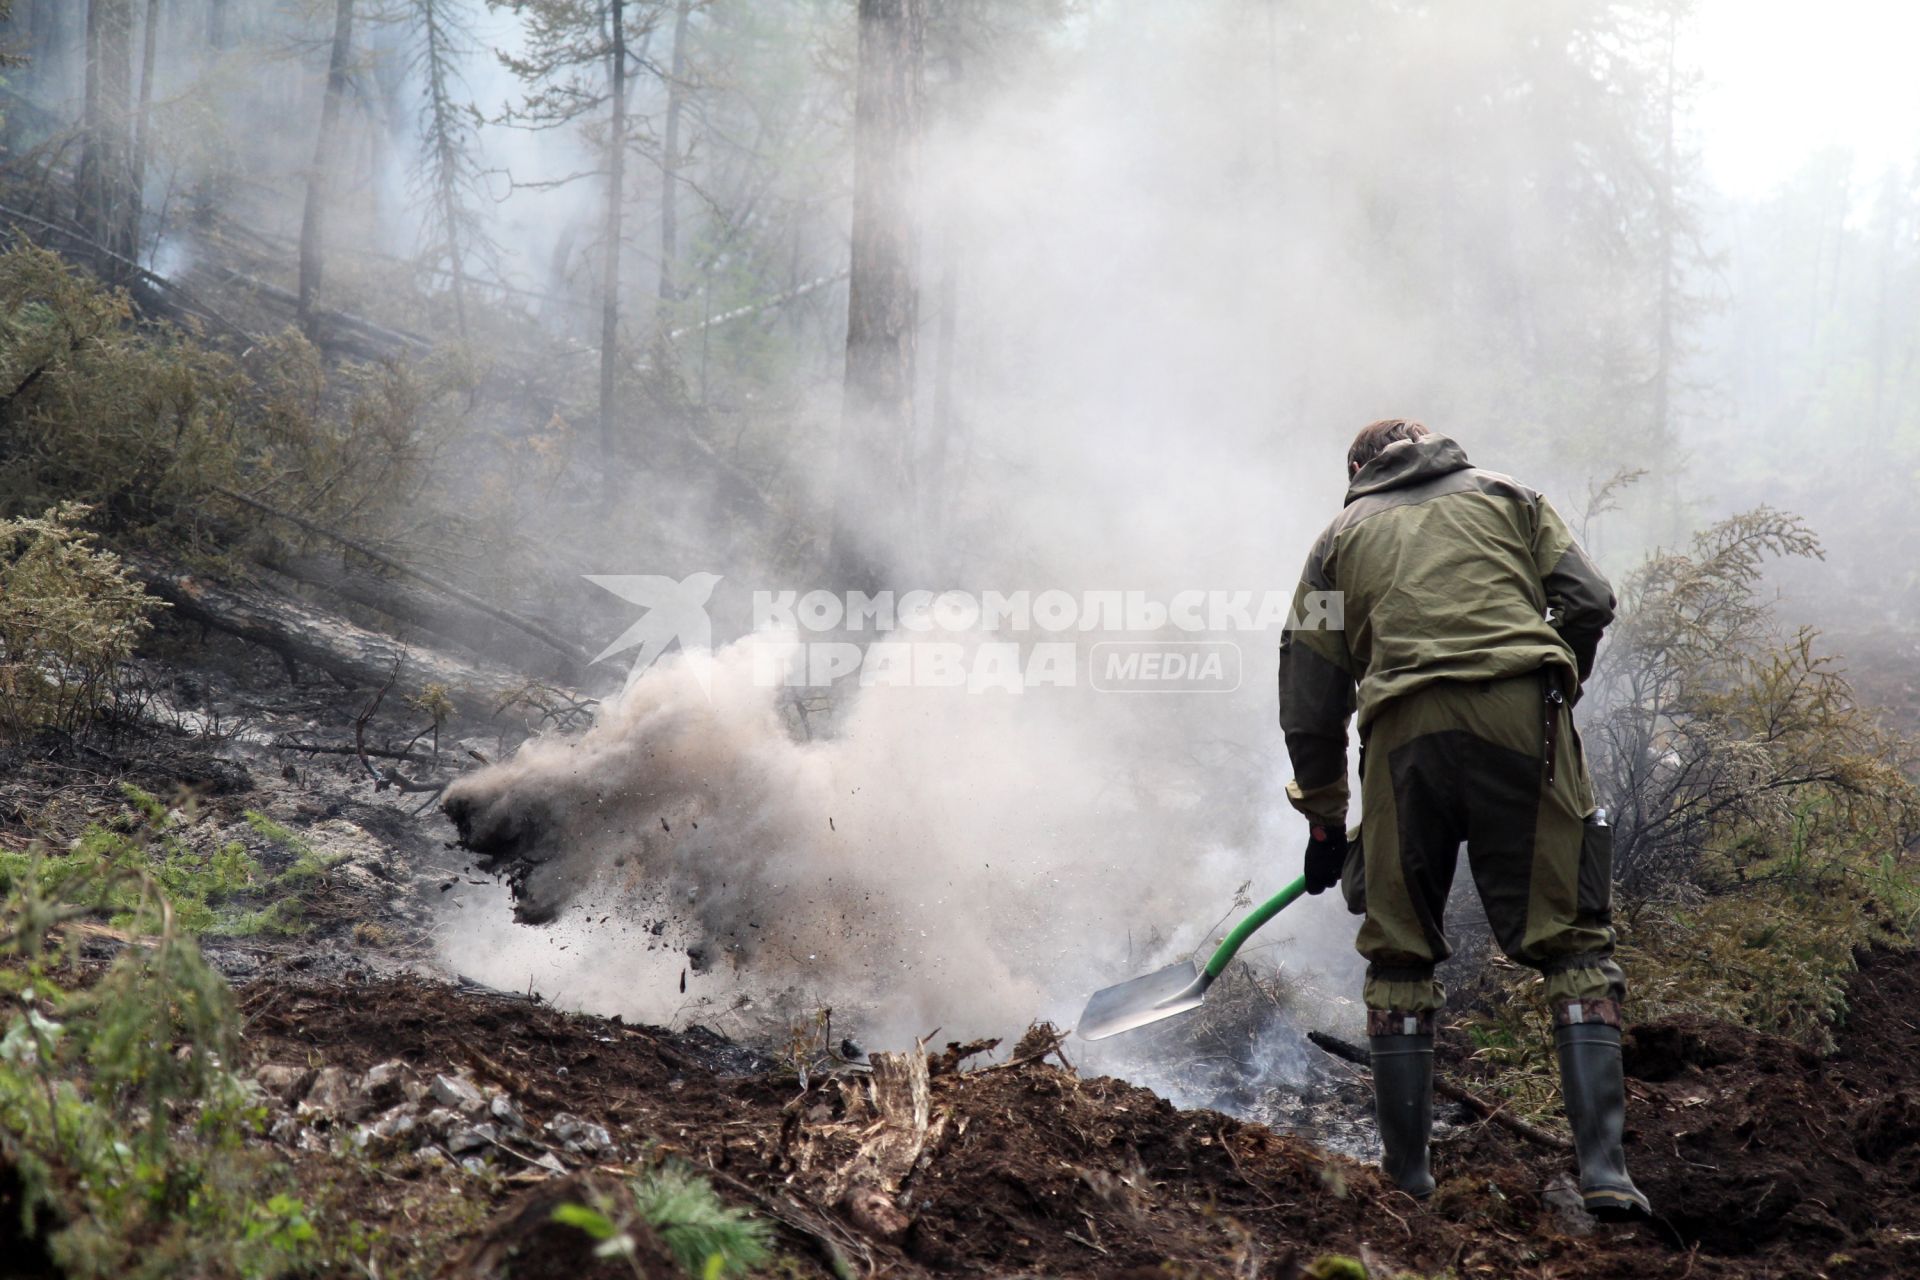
(432, 614)
(1664, 342)
(610, 278)
(670, 156)
(536, 630)
(872, 525)
(325, 156)
(944, 427)
(49, 46)
(143, 116)
(443, 140)
(108, 205)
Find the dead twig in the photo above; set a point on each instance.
(1079, 1239)
(948, 1063)
(393, 779)
(323, 749)
(1020, 1061)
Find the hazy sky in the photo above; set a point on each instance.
(1786, 77)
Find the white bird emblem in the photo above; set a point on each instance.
(674, 611)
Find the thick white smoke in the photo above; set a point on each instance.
(1193, 248)
(953, 859)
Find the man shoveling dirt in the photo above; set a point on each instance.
(1470, 617)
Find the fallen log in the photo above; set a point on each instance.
(512, 619)
(1448, 1089)
(388, 342)
(311, 636)
(448, 619)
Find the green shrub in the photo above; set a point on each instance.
(697, 1226)
(148, 423)
(708, 1239)
(1713, 733)
(144, 844)
(70, 617)
(117, 1106)
(309, 865)
(1761, 814)
(1773, 947)
(1762, 817)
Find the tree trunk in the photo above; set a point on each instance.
(107, 203)
(610, 278)
(670, 158)
(49, 47)
(319, 179)
(446, 163)
(216, 24)
(1888, 265)
(1664, 355)
(872, 525)
(933, 505)
(149, 48)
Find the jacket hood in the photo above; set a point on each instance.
(1406, 462)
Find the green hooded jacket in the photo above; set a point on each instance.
(1444, 572)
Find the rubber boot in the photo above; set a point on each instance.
(1403, 1105)
(1597, 1111)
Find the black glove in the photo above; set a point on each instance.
(1326, 855)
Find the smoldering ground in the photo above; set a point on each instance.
(947, 859)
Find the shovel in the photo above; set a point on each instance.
(1178, 987)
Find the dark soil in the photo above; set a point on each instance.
(1762, 1159)
(1757, 1149)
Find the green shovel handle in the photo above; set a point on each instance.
(1266, 911)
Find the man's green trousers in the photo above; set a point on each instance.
(1497, 766)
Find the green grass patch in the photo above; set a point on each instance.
(199, 886)
(309, 865)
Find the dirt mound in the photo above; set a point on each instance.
(1025, 1167)
(1763, 1159)
(1755, 1147)
(1096, 1176)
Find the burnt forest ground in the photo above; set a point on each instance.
(402, 1122)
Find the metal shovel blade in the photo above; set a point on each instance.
(1174, 989)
